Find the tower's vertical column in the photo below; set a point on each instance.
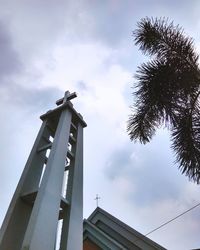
(19, 211)
(76, 196)
(38, 203)
(71, 237)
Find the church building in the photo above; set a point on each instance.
(102, 231)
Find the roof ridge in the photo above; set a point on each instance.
(123, 225)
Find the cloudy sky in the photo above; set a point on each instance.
(86, 46)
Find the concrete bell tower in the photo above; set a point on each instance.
(46, 211)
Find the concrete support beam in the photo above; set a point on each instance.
(38, 203)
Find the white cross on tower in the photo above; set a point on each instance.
(68, 96)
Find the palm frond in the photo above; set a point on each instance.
(156, 87)
(167, 91)
(153, 101)
(142, 125)
(186, 144)
(165, 40)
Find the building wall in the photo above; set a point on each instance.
(89, 245)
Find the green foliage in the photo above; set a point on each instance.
(167, 91)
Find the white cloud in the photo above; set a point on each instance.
(87, 47)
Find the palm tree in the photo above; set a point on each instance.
(167, 91)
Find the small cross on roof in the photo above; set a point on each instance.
(97, 199)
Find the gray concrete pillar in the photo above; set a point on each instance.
(39, 203)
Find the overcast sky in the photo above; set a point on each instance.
(50, 46)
